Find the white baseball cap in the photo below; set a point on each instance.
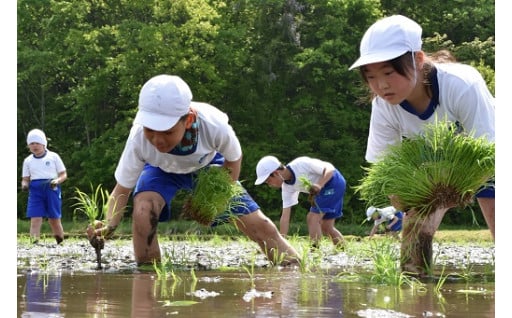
(265, 167)
(36, 135)
(369, 212)
(163, 100)
(387, 39)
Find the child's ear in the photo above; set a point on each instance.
(190, 120)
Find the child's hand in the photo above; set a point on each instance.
(314, 189)
(54, 183)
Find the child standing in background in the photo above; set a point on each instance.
(42, 175)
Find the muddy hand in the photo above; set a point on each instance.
(94, 235)
(314, 189)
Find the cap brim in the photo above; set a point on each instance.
(376, 58)
(261, 179)
(155, 121)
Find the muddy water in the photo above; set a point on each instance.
(63, 282)
(285, 293)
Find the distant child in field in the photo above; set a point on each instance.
(42, 175)
(390, 215)
(326, 189)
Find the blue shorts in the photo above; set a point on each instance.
(330, 198)
(43, 201)
(398, 225)
(167, 185)
(487, 191)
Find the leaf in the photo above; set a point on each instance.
(179, 303)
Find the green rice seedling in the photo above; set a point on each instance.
(214, 194)
(43, 263)
(441, 281)
(304, 264)
(92, 206)
(467, 270)
(193, 275)
(440, 168)
(386, 264)
(160, 268)
(306, 183)
(250, 270)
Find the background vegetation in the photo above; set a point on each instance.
(279, 69)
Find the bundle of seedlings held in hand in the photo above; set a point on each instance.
(215, 193)
(440, 168)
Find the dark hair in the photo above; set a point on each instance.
(403, 65)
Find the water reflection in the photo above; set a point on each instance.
(265, 293)
(42, 295)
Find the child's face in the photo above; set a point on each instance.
(274, 180)
(36, 148)
(386, 82)
(375, 215)
(165, 141)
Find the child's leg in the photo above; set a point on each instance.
(259, 228)
(329, 229)
(58, 231)
(35, 228)
(314, 220)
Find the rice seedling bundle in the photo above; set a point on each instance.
(440, 168)
(214, 195)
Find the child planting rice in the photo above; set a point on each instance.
(171, 141)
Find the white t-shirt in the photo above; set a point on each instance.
(47, 167)
(386, 214)
(215, 135)
(463, 98)
(306, 167)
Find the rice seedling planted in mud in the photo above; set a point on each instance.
(93, 207)
(386, 269)
(215, 193)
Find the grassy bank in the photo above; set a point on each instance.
(186, 228)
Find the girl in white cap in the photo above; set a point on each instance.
(42, 175)
(172, 138)
(411, 90)
(320, 179)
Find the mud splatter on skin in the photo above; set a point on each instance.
(153, 220)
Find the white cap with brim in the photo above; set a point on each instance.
(388, 39)
(38, 136)
(369, 212)
(163, 100)
(265, 167)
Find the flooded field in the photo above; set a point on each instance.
(232, 279)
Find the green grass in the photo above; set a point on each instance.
(187, 229)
